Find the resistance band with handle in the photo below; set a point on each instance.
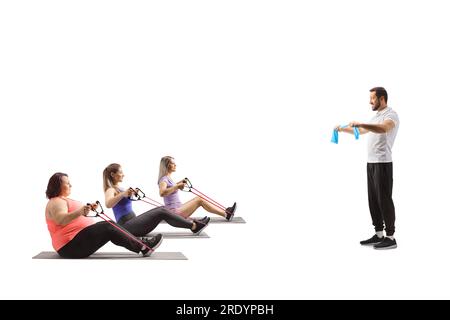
(189, 188)
(335, 136)
(139, 195)
(99, 213)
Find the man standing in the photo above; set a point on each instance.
(382, 131)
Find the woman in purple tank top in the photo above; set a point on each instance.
(168, 189)
(117, 198)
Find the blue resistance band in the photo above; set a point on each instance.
(335, 136)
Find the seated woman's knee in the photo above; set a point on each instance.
(161, 211)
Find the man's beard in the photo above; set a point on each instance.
(376, 106)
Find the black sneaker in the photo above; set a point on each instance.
(387, 243)
(230, 212)
(199, 226)
(370, 242)
(203, 220)
(152, 243)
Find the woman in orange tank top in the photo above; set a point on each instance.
(76, 236)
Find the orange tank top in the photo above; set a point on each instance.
(63, 234)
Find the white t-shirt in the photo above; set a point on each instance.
(380, 144)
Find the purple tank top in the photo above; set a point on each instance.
(171, 201)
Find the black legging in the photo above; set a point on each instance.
(148, 221)
(92, 238)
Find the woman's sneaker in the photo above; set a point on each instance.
(152, 243)
(203, 220)
(230, 212)
(199, 226)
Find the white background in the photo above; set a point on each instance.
(244, 94)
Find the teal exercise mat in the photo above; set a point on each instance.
(179, 235)
(117, 256)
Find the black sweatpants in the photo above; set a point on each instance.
(142, 224)
(379, 186)
(92, 238)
